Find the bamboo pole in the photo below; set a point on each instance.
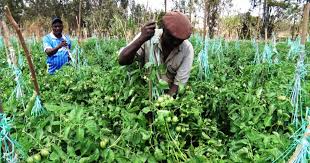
(27, 53)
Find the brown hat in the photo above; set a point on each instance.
(177, 24)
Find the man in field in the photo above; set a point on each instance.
(56, 46)
(169, 43)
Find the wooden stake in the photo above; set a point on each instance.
(299, 147)
(150, 83)
(1, 108)
(22, 42)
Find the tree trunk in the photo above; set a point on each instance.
(79, 21)
(258, 24)
(305, 23)
(165, 6)
(190, 10)
(266, 19)
(266, 34)
(205, 20)
(293, 29)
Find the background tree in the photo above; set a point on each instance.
(231, 26)
(248, 24)
(17, 8)
(291, 19)
(273, 12)
(103, 17)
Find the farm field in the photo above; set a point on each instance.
(236, 107)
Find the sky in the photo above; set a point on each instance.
(240, 6)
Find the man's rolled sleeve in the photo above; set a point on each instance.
(46, 43)
(184, 70)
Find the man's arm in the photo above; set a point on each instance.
(52, 51)
(184, 70)
(127, 55)
(173, 90)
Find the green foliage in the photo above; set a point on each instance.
(101, 111)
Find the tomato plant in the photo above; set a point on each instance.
(101, 111)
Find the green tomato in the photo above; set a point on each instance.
(175, 119)
(183, 130)
(163, 83)
(168, 119)
(160, 99)
(178, 128)
(30, 104)
(103, 143)
(30, 160)
(67, 82)
(290, 129)
(205, 136)
(280, 112)
(44, 152)
(159, 156)
(282, 98)
(37, 157)
(181, 89)
(106, 98)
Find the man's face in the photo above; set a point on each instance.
(170, 40)
(57, 28)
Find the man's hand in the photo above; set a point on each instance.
(62, 44)
(127, 55)
(148, 31)
(52, 51)
(173, 90)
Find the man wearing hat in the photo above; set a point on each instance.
(56, 46)
(169, 43)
